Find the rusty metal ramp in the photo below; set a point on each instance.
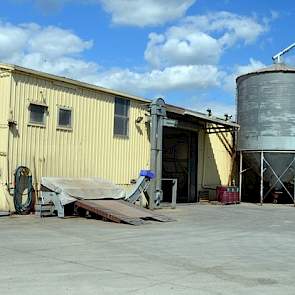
(120, 211)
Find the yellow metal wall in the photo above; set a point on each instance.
(215, 161)
(5, 83)
(90, 149)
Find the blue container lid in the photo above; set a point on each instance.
(147, 173)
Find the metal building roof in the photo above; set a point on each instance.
(170, 108)
(201, 116)
(15, 68)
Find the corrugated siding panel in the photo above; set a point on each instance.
(223, 159)
(215, 162)
(90, 149)
(5, 81)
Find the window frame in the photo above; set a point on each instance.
(64, 127)
(37, 123)
(127, 117)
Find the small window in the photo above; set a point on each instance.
(37, 113)
(121, 120)
(64, 118)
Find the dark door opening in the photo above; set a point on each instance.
(180, 162)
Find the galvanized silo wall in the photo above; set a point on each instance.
(266, 114)
(266, 111)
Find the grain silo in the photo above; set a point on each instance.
(266, 140)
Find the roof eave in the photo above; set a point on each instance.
(213, 120)
(15, 68)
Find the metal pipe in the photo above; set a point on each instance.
(277, 58)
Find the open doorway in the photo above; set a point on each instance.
(180, 149)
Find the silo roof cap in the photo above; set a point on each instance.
(280, 67)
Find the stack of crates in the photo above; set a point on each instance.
(228, 194)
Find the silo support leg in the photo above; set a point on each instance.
(261, 177)
(241, 175)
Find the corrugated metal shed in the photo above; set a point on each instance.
(89, 148)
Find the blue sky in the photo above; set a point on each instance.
(187, 51)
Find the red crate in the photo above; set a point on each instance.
(228, 194)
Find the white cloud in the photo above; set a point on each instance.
(13, 40)
(181, 48)
(231, 27)
(201, 39)
(145, 12)
(57, 51)
(192, 65)
(128, 12)
(171, 78)
(50, 49)
(252, 66)
(230, 80)
(55, 42)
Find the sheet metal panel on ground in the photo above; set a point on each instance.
(120, 211)
(87, 188)
(100, 197)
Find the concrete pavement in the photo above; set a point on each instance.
(210, 249)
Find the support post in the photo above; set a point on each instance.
(158, 111)
(261, 177)
(159, 193)
(153, 160)
(241, 175)
(174, 194)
